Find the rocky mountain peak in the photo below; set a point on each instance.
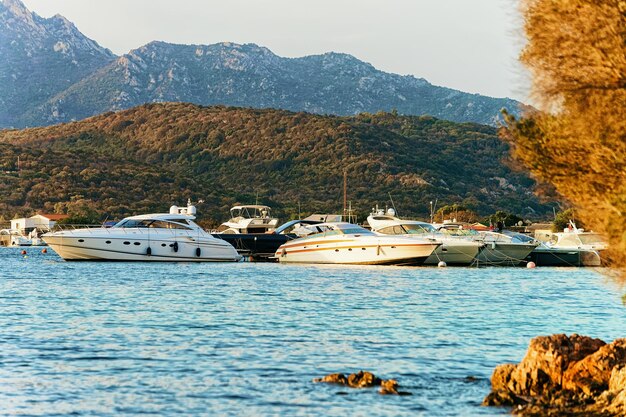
(16, 10)
(56, 69)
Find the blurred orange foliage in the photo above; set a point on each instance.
(576, 140)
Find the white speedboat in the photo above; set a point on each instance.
(453, 251)
(249, 219)
(172, 236)
(346, 243)
(11, 237)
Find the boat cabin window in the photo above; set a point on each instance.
(392, 230)
(128, 223)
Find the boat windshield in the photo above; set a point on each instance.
(152, 224)
(250, 212)
(347, 229)
(459, 232)
(590, 238)
(518, 237)
(408, 229)
(416, 229)
(356, 230)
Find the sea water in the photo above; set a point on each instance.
(110, 339)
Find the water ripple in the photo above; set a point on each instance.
(247, 339)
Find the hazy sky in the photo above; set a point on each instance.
(470, 45)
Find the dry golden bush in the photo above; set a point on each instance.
(576, 53)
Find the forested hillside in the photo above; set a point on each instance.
(155, 155)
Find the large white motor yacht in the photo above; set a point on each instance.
(172, 236)
(453, 251)
(346, 243)
(249, 219)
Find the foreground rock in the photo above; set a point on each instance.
(562, 375)
(363, 379)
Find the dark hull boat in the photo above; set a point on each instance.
(262, 246)
(546, 256)
(256, 247)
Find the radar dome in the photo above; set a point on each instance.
(174, 210)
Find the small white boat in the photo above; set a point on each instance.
(172, 236)
(249, 219)
(346, 243)
(453, 251)
(11, 237)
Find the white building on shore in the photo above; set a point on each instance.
(41, 222)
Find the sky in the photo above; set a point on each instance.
(469, 45)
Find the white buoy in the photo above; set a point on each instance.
(531, 265)
(442, 264)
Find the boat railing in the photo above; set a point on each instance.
(62, 227)
(131, 230)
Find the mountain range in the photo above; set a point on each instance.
(50, 73)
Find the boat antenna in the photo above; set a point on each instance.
(256, 201)
(345, 192)
(392, 204)
(299, 212)
(432, 215)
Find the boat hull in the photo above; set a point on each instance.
(260, 247)
(565, 257)
(357, 252)
(136, 249)
(454, 254)
(498, 253)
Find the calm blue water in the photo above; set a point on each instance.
(247, 339)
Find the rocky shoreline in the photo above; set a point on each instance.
(564, 376)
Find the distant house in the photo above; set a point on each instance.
(39, 221)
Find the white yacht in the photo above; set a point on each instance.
(453, 251)
(249, 219)
(588, 245)
(172, 236)
(346, 243)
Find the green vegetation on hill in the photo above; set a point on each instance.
(149, 157)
